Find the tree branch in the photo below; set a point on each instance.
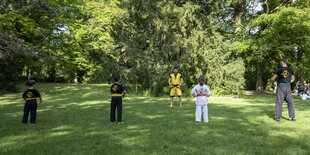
(282, 4)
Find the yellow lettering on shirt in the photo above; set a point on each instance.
(115, 88)
(285, 73)
(29, 95)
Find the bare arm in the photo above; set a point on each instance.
(169, 81)
(40, 100)
(181, 81)
(293, 78)
(124, 93)
(274, 77)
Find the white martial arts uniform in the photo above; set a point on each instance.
(201, 92)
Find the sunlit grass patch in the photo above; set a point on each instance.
(74, 119)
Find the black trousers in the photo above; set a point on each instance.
(116, 102)
(32, 107)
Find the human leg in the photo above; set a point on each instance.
(179, 93)
(113, 108)
(119, 110)
(279, 100)
(26, 112)
(33, 112)
(198, 113)
(205, 113)
(290, 103)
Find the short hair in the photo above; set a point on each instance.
(30, 83)
(201, 78)
(116, 78)
(284, 59)
(175, 68)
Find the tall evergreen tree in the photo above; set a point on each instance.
(158, 35)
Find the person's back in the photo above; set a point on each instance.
(202, 92)
(285, 77)
(117, 91)
(30, 96)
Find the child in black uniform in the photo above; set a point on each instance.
(117, 91)
(30, 96)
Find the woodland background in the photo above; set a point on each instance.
(236, 44)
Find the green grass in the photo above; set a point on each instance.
(74, 119)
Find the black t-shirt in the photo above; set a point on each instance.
(284, 74)
(117, 88)
(31, 94)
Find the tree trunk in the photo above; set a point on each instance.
(52, 74)
(39, 73)
(259, 81)
(75, 77)
(239, 9)
(27, 73)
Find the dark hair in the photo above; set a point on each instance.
(116, 78)
(201, 78)
(284, 59)
(175, 68)
(30, 83)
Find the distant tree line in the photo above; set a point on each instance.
(236, 44)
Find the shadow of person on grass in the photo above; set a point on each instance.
(150, 126)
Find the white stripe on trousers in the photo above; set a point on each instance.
(204, 110)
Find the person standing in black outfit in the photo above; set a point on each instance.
(285, 77)
(30, 96)
(117, 91)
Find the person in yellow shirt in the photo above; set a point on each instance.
(175, 81)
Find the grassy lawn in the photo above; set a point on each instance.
(75, 119)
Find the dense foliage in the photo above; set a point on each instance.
(236, 44)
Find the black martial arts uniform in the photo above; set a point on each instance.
(116, 102)
(30, 95)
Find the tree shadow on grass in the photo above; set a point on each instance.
(81, 125)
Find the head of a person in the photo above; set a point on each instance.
(175, 69)
(117, 78)
(30, 83)
(284, 61)
(201, 80)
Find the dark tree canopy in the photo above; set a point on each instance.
(235, 44)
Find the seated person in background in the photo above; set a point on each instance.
(305, 87)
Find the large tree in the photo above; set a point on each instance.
(158, 35)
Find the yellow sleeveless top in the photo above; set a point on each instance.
(175, 80)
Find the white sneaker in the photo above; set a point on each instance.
(170, 105)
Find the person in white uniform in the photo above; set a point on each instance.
(201, 91)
